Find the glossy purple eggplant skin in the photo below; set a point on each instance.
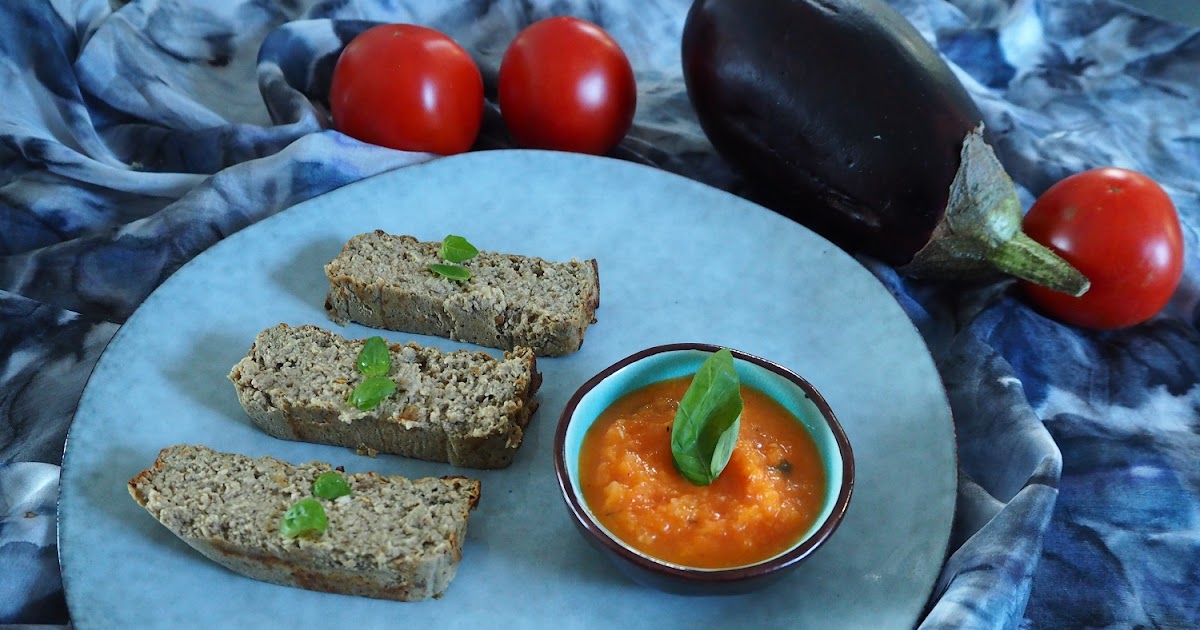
(840, 114)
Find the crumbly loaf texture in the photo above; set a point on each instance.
(383, 281)
(466, 408)
(391, 538)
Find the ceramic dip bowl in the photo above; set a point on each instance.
(659, 363)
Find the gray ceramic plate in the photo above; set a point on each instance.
(679, 261)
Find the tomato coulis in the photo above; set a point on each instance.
(767, 497)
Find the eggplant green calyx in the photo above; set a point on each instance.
(981, 230)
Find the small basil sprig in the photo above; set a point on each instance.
(706, 424)
(330, 485)
(374, 361)
(305, 517)
(371, 392)
(455, 250)
(454, 272)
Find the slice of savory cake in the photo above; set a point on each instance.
(387, 537)
(384, 281)
(467, 408)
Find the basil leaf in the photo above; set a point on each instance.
(454, 272)
(375, 358)
(456, 249)
(306, 516)
(708, 419)
(330, 485)
(724, 448)
(371, 392)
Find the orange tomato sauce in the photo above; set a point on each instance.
(767, 497)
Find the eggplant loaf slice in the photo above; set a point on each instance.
(390, 538)
(383, 281)
(464, 407)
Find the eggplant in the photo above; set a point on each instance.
(843, 118)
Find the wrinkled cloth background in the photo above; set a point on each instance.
(135, 135)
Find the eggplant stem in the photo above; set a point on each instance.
(980, 232)
(1029, 260)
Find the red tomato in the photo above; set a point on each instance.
(565, 84)
(407, 87)
(1120, 229)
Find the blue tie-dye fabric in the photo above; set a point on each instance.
(135, 135)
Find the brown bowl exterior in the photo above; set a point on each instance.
(683, 580)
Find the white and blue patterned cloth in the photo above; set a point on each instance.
(135, 135)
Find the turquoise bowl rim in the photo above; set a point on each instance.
(680, 359)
